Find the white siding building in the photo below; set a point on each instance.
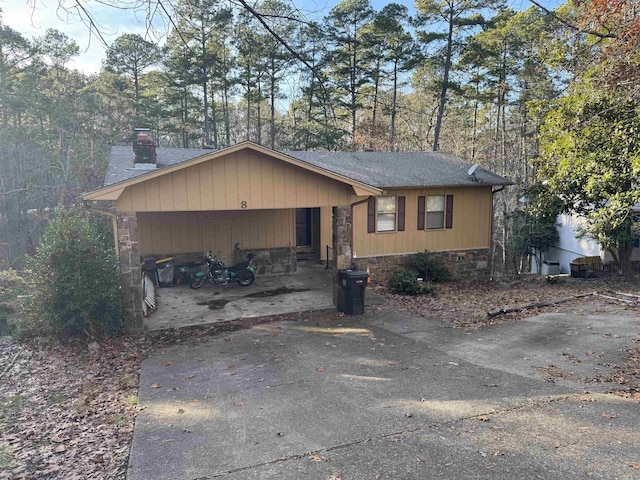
(570, 247)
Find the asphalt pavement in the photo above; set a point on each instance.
(387, 395)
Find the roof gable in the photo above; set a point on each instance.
(121, 173)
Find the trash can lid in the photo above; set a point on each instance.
(354, 273)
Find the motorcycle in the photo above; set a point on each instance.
(218, 273)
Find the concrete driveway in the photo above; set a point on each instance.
(391, 396)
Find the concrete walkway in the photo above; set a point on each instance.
(391, 396)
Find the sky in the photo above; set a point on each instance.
(32, 18)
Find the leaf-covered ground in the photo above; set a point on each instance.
(67, 411)
(466, 304)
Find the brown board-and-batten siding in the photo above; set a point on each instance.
(469, 219)
(181, 232)
(240, 180)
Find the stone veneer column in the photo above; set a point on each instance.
(130, 267)
(341, 243)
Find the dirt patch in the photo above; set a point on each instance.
(216, 304)
(201, 334)
(277, 291)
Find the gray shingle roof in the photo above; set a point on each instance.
(378, 169)
(121, 161)
(401, 169)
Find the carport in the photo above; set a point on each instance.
(180, 203)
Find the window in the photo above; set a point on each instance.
(435, 212)
(386, 214)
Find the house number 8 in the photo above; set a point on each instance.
(243, 204)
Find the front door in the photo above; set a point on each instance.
(308, 233)
(217, 238)
(303, 228)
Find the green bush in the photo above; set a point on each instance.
(404, 282)
(75, 276)
(11, 286)
(432, 267)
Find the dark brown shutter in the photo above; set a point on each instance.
(449, 212)
(401, 202)
(421, 212)
(371, 215)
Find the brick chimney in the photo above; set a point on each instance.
(144, 149)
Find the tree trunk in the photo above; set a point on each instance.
(259, 114)
(394, 104)
(214, 120)
(248, 79)
(445, 84)
(625, 250)
(354, 93)
(204, 66)
(225, 102)
(272, 94)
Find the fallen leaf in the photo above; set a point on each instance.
(181, 411)
(317, 458)
(156, 385)
(609, 415)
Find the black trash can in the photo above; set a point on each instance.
(352, 284)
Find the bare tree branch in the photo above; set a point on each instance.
(284, 43)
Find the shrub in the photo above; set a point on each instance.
(432, 267)
(76, 277)
(404, 282)
(11, 285)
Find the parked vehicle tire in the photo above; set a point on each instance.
(198, 281)
(245, 277)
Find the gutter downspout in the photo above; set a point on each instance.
(114, 220)
(491, 242)
(353, 205)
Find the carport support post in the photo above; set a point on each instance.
(130, 267)
(341, 244)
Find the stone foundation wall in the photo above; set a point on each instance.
(271, 261)
(463, 264)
